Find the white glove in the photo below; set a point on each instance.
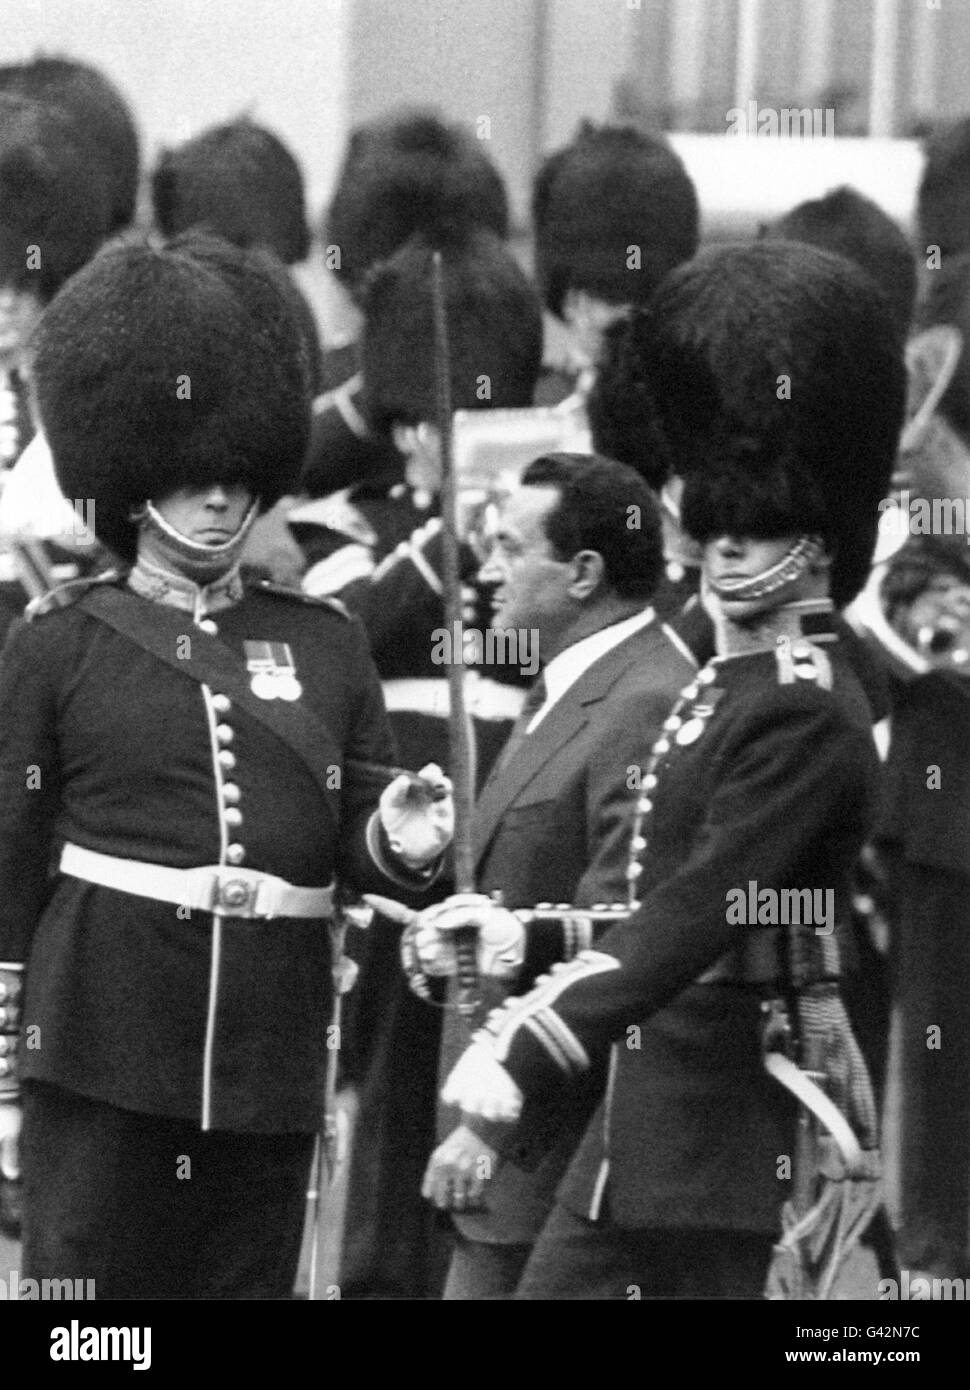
(11, 1117)
(480, 1086)
(418, 816)
(430, 934)
(458, 1171)
(501, 936)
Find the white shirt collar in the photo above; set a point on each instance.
(565, 669)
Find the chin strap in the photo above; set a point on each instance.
(197, 552)
(804, 553)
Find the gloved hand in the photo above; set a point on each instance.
(481, 1086)
(429, 935)
(458, 1170)
(11, 1117)
(418, 816)
(10, 1185)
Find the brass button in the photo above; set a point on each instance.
(233, 816)
(227, 760)
(230, 793)
(224, 733)
(207, 625)
(221, 704)
(235, 854)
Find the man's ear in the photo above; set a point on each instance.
(589, 573)
(931, 360)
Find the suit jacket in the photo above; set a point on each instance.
(780, 787)
(555, 826)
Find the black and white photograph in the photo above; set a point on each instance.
(485, 665)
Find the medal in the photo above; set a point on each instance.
(272, 671)
(284, 671)
(689, 732)
(263, 685)
(288, 687)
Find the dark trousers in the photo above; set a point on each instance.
(579, 1259)
(931, 960)
(152, 1207)
(482, 1270)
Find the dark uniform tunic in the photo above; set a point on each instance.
(140, 1004)
(777, 785)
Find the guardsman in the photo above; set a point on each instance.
(180, 758)
(55, 210)
(612, 213)
(405, 173)
(765, 778)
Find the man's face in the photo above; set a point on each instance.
(531, 584)
(740, 557)
(20, 311)
(209, 515)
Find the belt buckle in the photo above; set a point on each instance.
(234, 897)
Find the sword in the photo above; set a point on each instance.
(459, 734)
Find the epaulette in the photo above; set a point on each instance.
(269, 586)
(64, 595)
(800, 660)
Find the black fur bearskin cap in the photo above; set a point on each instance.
(494, 330)
(611, 190)
(409, 173)
(238, 181)
(855, 227)
(771, 378)
(101, 117)
(54, 199)
(180, 367)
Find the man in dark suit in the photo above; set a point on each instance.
(575, 559)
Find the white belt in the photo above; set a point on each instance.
(485, 699)
(223, 890)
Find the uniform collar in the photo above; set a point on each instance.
(808, 620)
(176, 591)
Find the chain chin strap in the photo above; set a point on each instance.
(805, 553)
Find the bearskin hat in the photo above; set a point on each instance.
(164, 368)
(101, 118)
(855, 227)
(239, 181)
(494, 330)
(612, 191)
(54, 199)
(407, 173)
(771, 378)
